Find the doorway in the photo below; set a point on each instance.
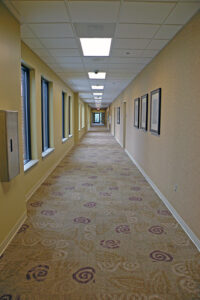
(97, 118)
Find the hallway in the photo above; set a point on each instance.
(97, 230)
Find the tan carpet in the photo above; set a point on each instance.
(97, 231)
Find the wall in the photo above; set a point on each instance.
(173, 157)
(12, 194)
(34, 176)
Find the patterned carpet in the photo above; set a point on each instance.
(97, 231)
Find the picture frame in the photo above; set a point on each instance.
(155, 111)
(118, 115)
(144, 112)
(137, 112)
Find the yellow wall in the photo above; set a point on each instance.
(13, 195)
(37, 173)
(173, 157)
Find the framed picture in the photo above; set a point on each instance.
(155, 111)
(118, 115)
(144, 112)
(137, 112)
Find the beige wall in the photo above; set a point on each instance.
(173, 157)
(13, 195)
(37, 173)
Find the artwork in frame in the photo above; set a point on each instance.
(155, 111)
(144, 112)
(137, 112)
(118, 115)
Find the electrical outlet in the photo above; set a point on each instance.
(175, 187)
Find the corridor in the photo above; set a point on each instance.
(97, 231)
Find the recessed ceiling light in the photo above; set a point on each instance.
(97, 75)
(96, 46)
(97, 98)
(97, 94)
(97, 87)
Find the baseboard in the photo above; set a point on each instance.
(178, 218)
(39, 183)
(12, 233)
(118, 141)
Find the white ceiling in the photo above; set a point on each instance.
(140, 29)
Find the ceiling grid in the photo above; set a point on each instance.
(139, 31)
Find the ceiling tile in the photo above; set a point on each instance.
(126, 52)
(149, 53)
(129, 60)
(72, 67)
(142, 12)
(68, 59)
(33, 43)
(182, 13)
(95, 60)
(94, 29)
(26, 32)
(64, 52)
(59, 43)
(157, 44)
(130, 66)
(130, 43)
(94, 11)
(93, 67)
(52, 30)
(42, 11)
(136, 31)
(167, 31)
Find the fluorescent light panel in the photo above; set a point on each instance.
(98, 98)
(99, 75)
(97, 87)
(96, 46)
(97, 94)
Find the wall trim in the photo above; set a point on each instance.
(175, 214)
(39, 183)
(118, 141)
(12, 233)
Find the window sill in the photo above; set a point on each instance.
(47, 152)
(30, 164)
(70, 135)
(64, 140)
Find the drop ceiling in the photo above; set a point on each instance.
(139, 30)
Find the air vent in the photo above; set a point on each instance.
(84, 30)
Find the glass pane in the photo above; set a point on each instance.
(25, 114)
(97, 118)
(45, 115)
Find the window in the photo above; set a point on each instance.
(63, 115)
(118, 115)
(45, 114)
(79, 116)
(25, 94)
(83, 116)
(69, 114)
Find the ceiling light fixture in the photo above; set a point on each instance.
(97, 75)
(96, 46)
(97, 87)
(97, 94)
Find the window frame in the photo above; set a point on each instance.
(63, 116)
(26, 113)
(45, 147)
(69, 115)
